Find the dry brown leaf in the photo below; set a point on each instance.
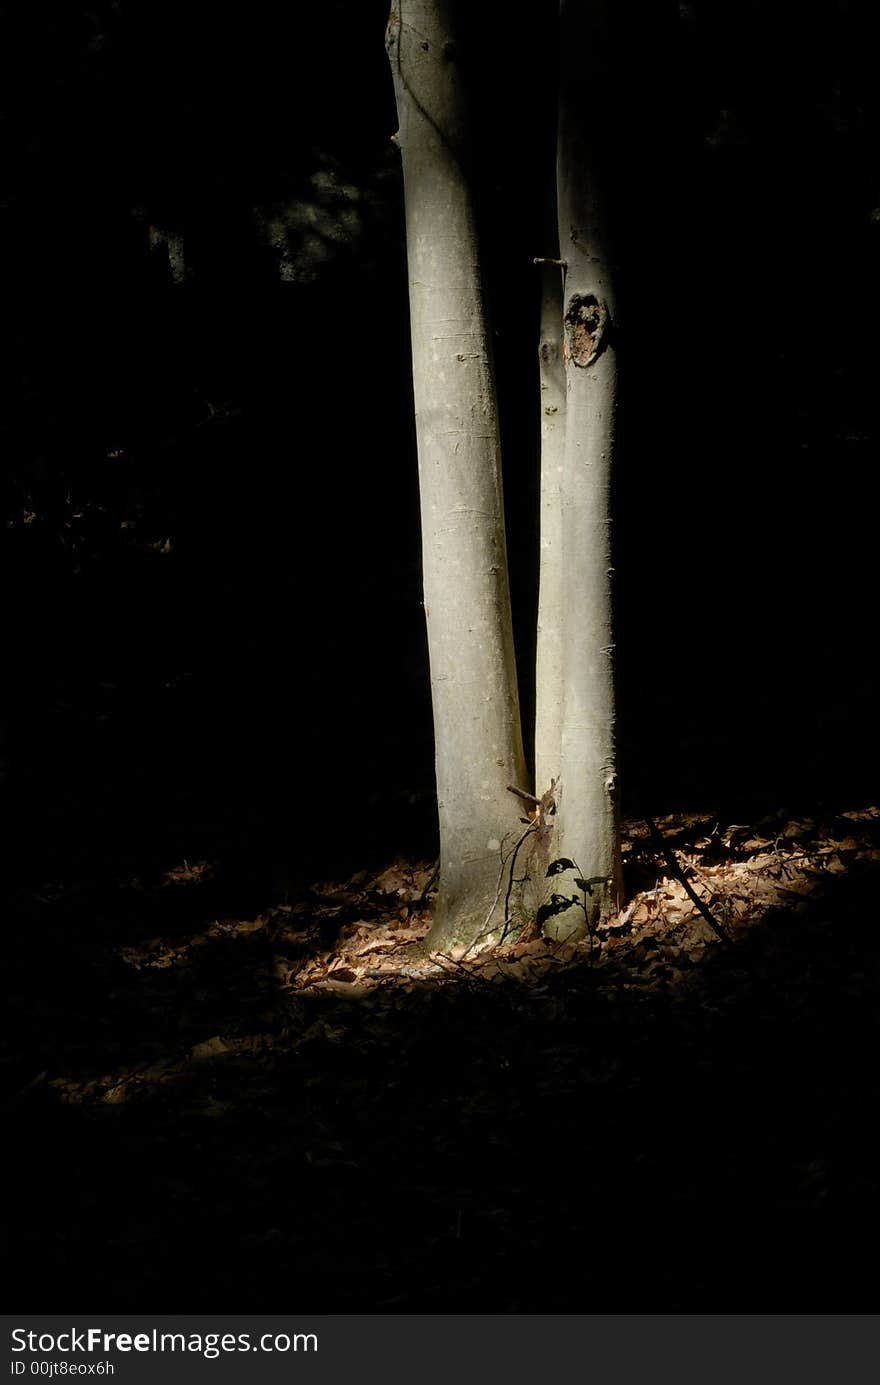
(347, 988)
(209, 1048)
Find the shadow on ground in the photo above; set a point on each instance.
(596, 1140)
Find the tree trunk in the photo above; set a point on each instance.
(587, 795)
(478, 740)
(549, 666)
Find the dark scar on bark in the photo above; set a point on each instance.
(586, 329)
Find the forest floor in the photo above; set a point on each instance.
(289, 1111)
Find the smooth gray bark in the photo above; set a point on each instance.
(587, 794)
(478, 741)
(549, 671)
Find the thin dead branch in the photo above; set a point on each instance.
(676, 870)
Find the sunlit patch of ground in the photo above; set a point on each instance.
(188, 873)
(209, 1108)
(353, 941)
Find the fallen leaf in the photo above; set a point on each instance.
(209, 1048)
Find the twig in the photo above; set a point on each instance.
(527, 797)
(472, 978)
(486, 930)
(541, 807)
(679, 874)
(432, 880)
(531, 828)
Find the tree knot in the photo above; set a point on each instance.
(586, 329)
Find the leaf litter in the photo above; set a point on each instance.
(320, 1023)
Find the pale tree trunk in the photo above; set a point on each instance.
(587, 794)
(549, 670)
(478, 740)
(549, 654)
(551, 375)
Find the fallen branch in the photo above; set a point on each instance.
(675, 868)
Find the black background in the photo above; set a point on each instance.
(276, 657)
(258, 695)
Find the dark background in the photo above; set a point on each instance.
(213, 638)
(275, 657)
